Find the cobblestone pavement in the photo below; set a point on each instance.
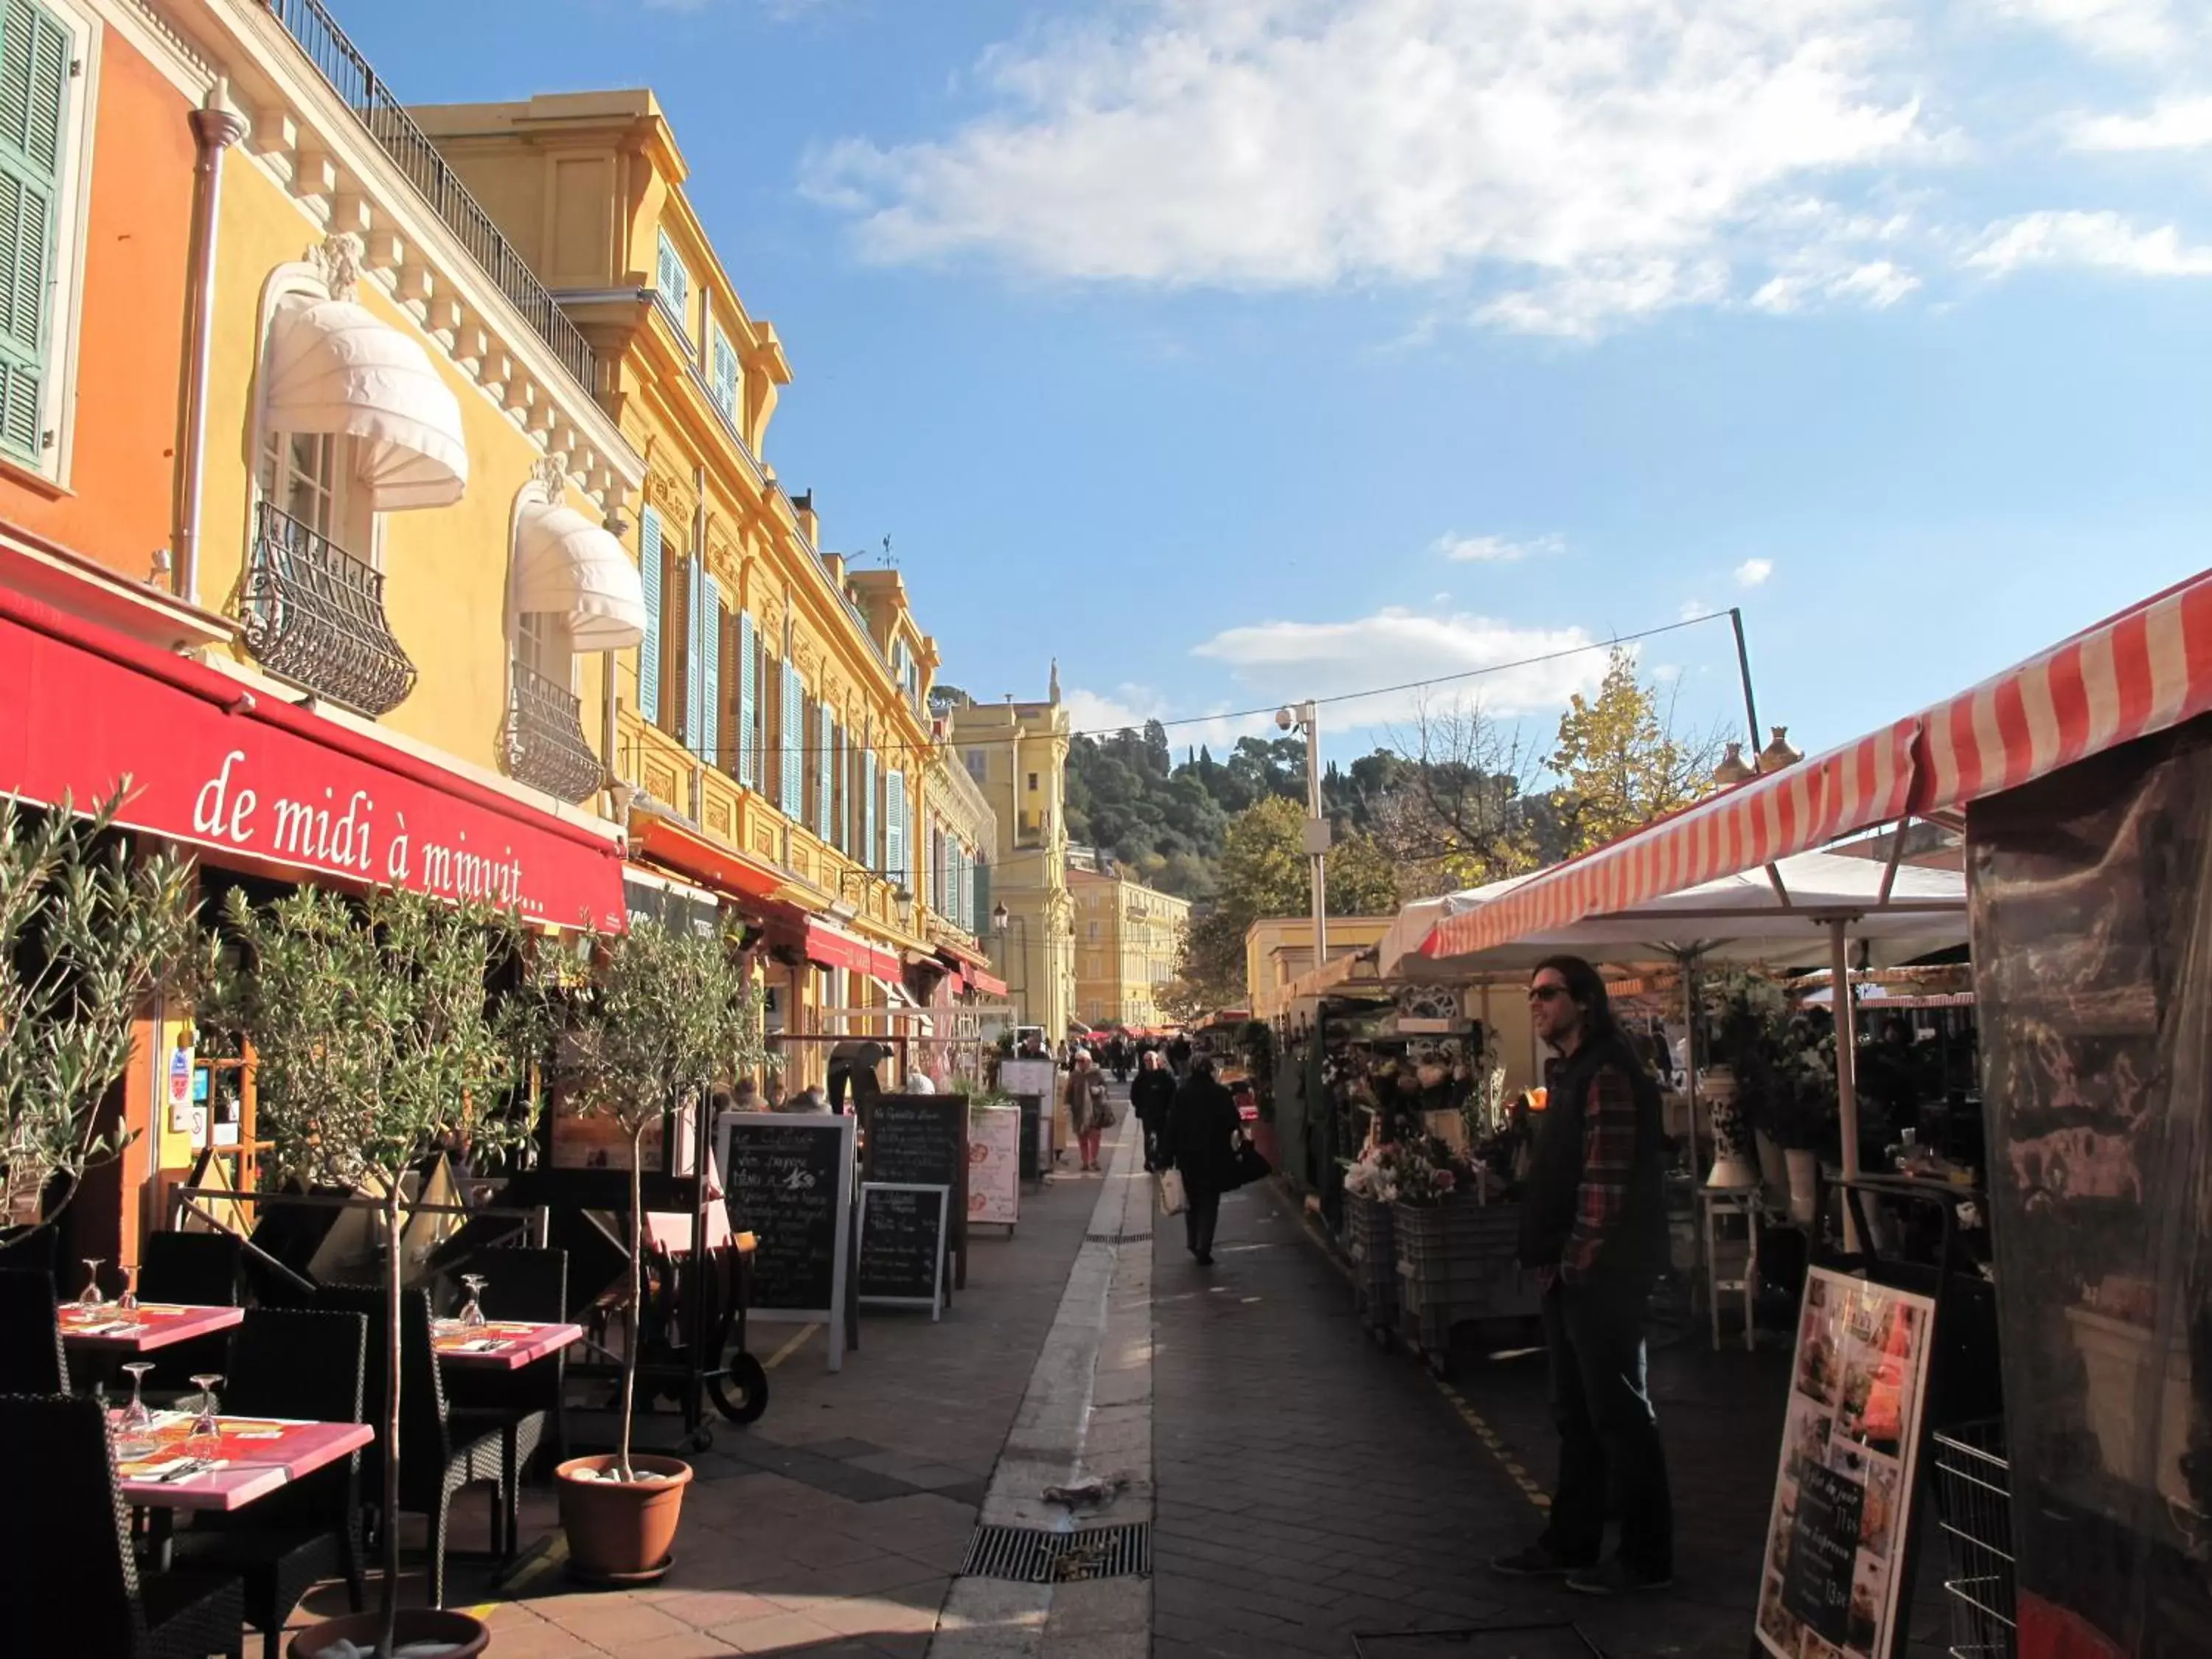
(832, 1527)
(1312, 1487)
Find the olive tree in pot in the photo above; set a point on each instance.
(641, 1034)
(379, 1039)
(89, 930)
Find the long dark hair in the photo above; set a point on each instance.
(1588, 989)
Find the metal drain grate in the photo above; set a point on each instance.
(1031, 1557)
(1139, 1237)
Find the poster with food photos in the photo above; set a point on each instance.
(1829, 1584)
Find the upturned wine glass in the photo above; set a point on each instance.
(205, 1439)
(472, 1313)
(128, 1302)
(90, 1296)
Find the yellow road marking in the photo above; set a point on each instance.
(789, 1348)
(1491, 1442)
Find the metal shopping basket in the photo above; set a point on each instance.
(1973, 1508)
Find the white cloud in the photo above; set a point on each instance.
(2099, 240)
(1128, 707)
(1285, 660)
(2114, 28)
(2172, 124)
(1566, 163)
(1753, 573)
(1493, 549)
(1692, 610)
(1877, 284)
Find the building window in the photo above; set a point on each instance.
(673, 281)
(979, 764)
(41, 142)
(1033, 780)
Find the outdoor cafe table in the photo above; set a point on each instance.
(503, 1345)
(108, 1329)
(258, 1456)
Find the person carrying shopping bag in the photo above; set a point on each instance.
(1202, 1141)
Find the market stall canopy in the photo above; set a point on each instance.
(2146, 669)
(1399, 952)
(572, 568)
(334, 366)
(1779, 917)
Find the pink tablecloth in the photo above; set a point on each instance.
(154, 1325)
(258, 1455)
(506, 1345)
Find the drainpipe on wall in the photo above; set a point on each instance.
(215, 129)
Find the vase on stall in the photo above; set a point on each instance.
(1773, 1166)
(1734, 1169)
(1804, 1171)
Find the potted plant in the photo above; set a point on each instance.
(377, 1041)
(1745, 1013)
(638, 1035)
(88, 932)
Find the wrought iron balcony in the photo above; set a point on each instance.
(315, 614)
(388, 122)
(545, 744)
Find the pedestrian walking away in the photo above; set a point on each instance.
(1593, 1230)
(1179, 1056)
(1088, 1113)
(1151, 1097)
(1203, 1133)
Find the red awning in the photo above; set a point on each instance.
(255, 780)
(689, 854)
(2141, 671)
(2146, 669)
(1862, 783)
(833, 947)
(988, 984)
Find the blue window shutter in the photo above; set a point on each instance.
(674, 282)
(723, 383)
(793, 775)
(715, 621)
(34, 78)
(825, 781)
(871, 854)
(982, 902)
(648, 653)
(695, 727)
(748, 692)
(895, 826)
(967, 891)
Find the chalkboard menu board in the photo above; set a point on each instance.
(902, 1244)
(920, 1140)
(789, 1181)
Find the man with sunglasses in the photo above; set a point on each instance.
(1593, 1230)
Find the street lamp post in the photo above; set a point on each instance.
(1001, 922)
(1304, 716)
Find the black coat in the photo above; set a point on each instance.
(1202, 1126)
(1151, 1094)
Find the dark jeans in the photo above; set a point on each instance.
(1153, 1150)
(1201, 1210)
(1608, 1432)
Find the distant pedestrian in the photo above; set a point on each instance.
(1203, 1130)
(1117, 1057)
(1593, 1230)
(1088, 1113)
(809, 1099)
(1179, 1056)
(1151, 1097)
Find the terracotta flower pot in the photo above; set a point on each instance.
(621, 1532)
(470, 1636)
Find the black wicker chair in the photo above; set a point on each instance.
(67, 1578)
(198, 1269)
(437, 1456)
(290, 1364)
(30, 1357)
(526, 1405)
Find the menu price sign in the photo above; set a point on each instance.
(903, 1244)
(789, 1179)
(1830, 1587)
(994, 1166)
(920, 1140)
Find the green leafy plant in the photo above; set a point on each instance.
(641, 1030)
(1784, 1067)
(89, 930)
(377, 1039)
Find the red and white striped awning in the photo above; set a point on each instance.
(1758, 822)
(2146, 669)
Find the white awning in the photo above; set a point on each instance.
(565, 564)
(336, 367)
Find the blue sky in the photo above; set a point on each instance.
(1238, 350)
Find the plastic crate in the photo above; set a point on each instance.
(1974, 1508)
(1460, 1230)
(1370, 1240)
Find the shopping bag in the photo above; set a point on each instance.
(1172, 1202)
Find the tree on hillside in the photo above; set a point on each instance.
(1464, 803)
(1621, 762)
(1264, 872)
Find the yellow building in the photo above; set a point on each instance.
(771, 730)
(1128, 936)
(407, 476)
(1279, 949)
(1018, 752)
